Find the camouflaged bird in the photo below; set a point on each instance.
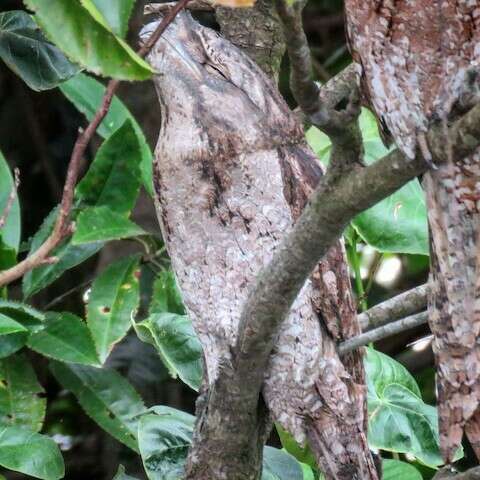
(418, 62)
(232, 172)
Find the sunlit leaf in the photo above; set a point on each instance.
(115, 14)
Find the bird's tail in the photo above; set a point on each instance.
(453, 196)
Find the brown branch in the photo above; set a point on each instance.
(333, 205)
(386, 330)
(407, 303)
(197, 5)
(11, 198)
(448, 473)
(63, 228)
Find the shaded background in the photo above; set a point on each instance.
(37, 133)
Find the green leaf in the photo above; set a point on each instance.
(166, 296)
(398, 419)
(68, 255)
(307, 472)
(12, 343)
(24, 314)
(8, 326)
(65, 338)
(114, 14)
(96, 224)
(280, 465)
(396, 470)
(164, 438)
(86, 94)
(20, 401)
(121, 475)
(30, 453)
(106, 397)
(396, 224)
(8, 255)
(10, 233)
(27, 52)
(114, 299)
(302, 454)
(177, 344)
(86, 41)
(113, 179)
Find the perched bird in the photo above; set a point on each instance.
(232, 172)
(418, 63)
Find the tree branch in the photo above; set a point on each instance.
(407, 303)
(448, 473)
(10, 199)
(63, 228)
(333, 205)
(384, 331)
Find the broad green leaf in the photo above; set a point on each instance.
(86, 41)
(166, 296)
(115, 14)
(24, 314)
(10, 233)
(8, 326)
(177, 344)
(307, 472)
(396, 470)
(164, 438)
(302, 454)
(114, 299)
(96, 224)
(27, 52)
(12, 343)
(68, 255)
(280, 465)
(106, 397)
(20, 402)
(398, 419)
(113, 179)
(8, 255)
(397, 223)
(65, 338)
(30, 453)
(86, 94)
(121, 474)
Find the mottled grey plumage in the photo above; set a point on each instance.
(418, 62)
(232, 173)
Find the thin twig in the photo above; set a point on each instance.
(63, 227)
(197, 5)
(383, 332)
(11, 198)
(407, 303)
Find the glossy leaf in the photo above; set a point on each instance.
(177, 344)
(280, 465)
(166, 296)
(302, 454)
(27, 52)
(30, 453)
(307, 472)
(86, 41)
(10, 233)
(396, 470)
(114, 299)
(398, 419)
(106, 397)
(113, 180)
(97, 224)
(12, 343)
(21, 403)
(113, 14)
(8, 326)
(86, 94)
(24, 314)
(66, 338)
(164, 438)
(397, 223)
(68, 255)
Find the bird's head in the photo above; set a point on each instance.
(203, 79)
